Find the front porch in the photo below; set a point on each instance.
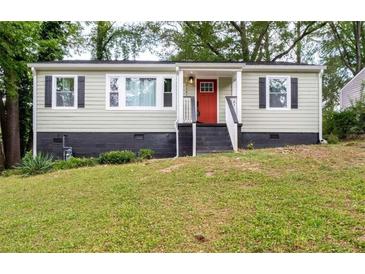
(209, 116)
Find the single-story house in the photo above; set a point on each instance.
(353, 90)
(174, 108)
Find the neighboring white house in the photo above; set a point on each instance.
(353, 90)
(174, 108)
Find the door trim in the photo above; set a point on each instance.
(196, 91)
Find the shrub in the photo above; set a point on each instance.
(345, 123)
(250, 146)
(117, 157)
(74, 162)
(41, 163)
(145, 153)
(332, 139)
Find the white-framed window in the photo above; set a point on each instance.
(64, 91)
(140, 91)
(113, 91)
(207, 87)
(278, 92)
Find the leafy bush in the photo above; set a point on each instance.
(74, 162)
(332, 139)
(117, 157)
(41, 163)
(345, 123)
(250, 146)
(145, 153)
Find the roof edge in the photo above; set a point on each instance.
(353, 78)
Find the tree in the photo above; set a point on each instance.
(108, 40)
(21, 43)
(343, 51)
(14, 51)
(235, 41)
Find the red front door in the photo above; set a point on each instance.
(207, 100)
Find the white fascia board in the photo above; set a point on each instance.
(186, 66)
(70, 66)
(299, 68)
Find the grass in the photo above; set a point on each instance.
(294, 199)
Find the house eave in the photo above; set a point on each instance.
(289, 68)
(73, 66)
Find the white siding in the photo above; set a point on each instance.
(351, 92)
(303, 119)
(225, 89)
(94, 117)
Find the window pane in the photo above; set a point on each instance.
(65, 84)
(141, 92)
(207, 86)
(167, 85)
(278, 92)
(64, 99)
(65, 91)
(114, 92)
(114, 99)
(114, 84)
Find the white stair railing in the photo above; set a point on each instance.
(187, 109)
(231, 120)
(189, 116)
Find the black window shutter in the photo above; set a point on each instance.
(81, 91)
(262, 92)
(294, 92)
(48, 92)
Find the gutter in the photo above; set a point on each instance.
(283, 67)
(100, 66)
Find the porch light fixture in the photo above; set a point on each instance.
(191, 80)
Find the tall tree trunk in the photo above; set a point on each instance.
(12, 136)
(100, 41)
(244, 42)
(298, 50)
(267, 47)
(357, 34)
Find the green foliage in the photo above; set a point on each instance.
(345, 123)
(41, 163)
(250, 146)
(332, 139)
(146, 153)
(112, 40)
(74, 162)
(117, 157)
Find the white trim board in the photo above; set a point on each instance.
(159, 92)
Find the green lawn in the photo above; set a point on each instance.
(294, 199)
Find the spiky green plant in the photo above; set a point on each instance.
(41, 163)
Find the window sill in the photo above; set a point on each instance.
(64, 108)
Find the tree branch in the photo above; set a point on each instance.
(243, 39)
(259, 41)
(343, 53)
(307, 31)
(208, 44)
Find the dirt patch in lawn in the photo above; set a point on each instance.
(171, 168)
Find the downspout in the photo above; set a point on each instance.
(34, 73)
(320, 106)
(177, 111)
